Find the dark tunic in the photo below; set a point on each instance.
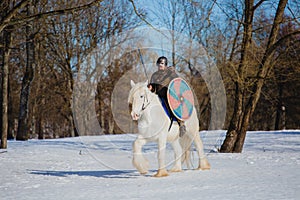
(160, 81)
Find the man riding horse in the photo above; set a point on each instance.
(159, 83)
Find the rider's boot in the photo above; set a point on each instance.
(182, 128)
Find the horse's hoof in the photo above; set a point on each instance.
(161, 173)
(175, 170)
(203, 168)
(204, 164)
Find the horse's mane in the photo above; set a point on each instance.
(133, 90)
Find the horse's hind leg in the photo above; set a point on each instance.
(203, 162)
(186, 142)
(139, 160)
(178, 153)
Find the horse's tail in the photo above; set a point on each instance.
(186, 143)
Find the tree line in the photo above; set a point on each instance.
(43, 45)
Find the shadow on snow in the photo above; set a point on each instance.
(97, 174)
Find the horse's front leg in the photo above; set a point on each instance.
(139, 161)
(161, 157)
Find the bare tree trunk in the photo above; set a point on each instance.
(279, 110)
(40, 128)
(111, 123)
(73, 129)
(232, 132)
(22, 133)
(5, 75)
(235, 123)
(11, 133)
(236, 133)
(1, 78)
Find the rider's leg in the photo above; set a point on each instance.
(182, 128)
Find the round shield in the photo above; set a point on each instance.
(180, 98)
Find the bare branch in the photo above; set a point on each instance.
(281, 41)
(258, 4)
(294, 16)
(143, 18)
(8, 19)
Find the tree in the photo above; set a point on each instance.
(5, 52)
(22, 133)
(285, 76)
(5, 57)
(12, 16)
(245, 99)
(277, 107)
(71, 42)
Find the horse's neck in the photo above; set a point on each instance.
(153, 118)
(154, 101)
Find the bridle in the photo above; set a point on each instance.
(145, 105)
(146, 101)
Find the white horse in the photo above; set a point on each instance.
(153, 125)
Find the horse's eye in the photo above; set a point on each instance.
(141, 96)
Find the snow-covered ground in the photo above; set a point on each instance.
(99, 167)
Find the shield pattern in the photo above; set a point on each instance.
(180, 99)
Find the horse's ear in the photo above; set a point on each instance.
(146, 83)
(132, 83)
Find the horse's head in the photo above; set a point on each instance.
(138, 98)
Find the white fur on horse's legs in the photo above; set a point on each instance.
(161, 157)
(178, 153)
(139, 161)
(203, 162)
(187, 159)
(185, 143)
